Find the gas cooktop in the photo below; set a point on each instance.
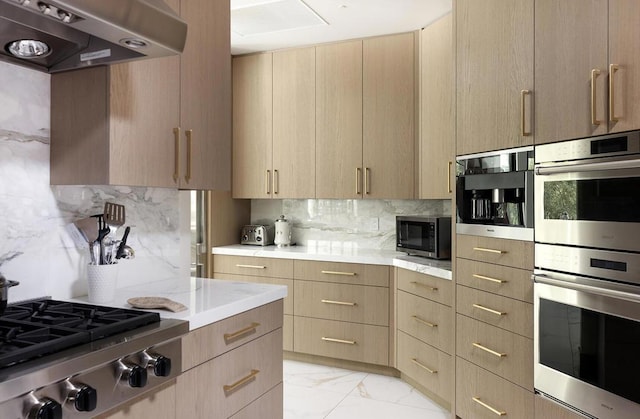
(35, 328)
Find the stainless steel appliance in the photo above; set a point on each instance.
(258, 235)
(72, 360)
(424, 236)
(59, 35)
(588, 192)
(587, 277)
(494, 194)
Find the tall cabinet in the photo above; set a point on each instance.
(160, 122)
(587, 69)
(494, 47)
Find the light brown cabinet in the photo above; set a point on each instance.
(159, 403)
(161, 122)
(437, 110)
(586, 69)
(494, 69)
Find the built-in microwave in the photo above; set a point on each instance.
(424, 236)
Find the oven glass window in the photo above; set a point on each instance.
(614, 199)
(597, 348)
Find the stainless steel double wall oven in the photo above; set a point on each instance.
(587, 277)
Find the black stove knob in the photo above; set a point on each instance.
(83, 397)
(159, 365)
(46, 409)
(134, 375)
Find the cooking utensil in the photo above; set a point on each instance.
(5, 284)
(114, 217)
(100, 242)
(128, 252)
(123, 243)
(156, 302)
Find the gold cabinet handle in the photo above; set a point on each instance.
(449, 177)
(424, 367)
(490, 310)
(484, 249)
(276, 181)
(338, 273)
(483, 404)
(358, 180)
(523, 95)
(420, 284)
(367, 180)
(176, 164)
(232, 387)
(426, 323)
(189, 134)
(268, 182)
(338, 303)
(491, 351)
(612, 98)
(346, 342)
(594, 118)
(251, 266)
(488, 278)
(251, 328)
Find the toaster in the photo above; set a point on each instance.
(257, 235)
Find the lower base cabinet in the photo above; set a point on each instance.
(269, 406)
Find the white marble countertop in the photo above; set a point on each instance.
(438, 268)
(207, 300)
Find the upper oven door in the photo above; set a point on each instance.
(589, 203)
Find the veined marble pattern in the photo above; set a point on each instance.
(316, 392)
(353, 223)
(35, 246)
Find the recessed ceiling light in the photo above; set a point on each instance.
(273, 16)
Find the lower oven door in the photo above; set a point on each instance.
(587, 344)
(589, 203)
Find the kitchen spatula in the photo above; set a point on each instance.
(113, 217)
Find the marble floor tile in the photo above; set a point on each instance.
(321, 377)
(354, 407)
(309, 403)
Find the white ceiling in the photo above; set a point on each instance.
(345, 19)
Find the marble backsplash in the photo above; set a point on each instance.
(353, 224)
(35, 246)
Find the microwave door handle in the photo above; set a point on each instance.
(601, 289)
(588, 167)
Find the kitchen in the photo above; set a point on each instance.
(154, 213)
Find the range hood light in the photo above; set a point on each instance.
(28, 48)
(134, 43)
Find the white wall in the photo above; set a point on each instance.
(35, 248)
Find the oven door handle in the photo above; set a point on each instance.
(588, 167)
(601, 289)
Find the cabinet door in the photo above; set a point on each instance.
(294, 124)
(339, 120)
(205, 105)
(437, 120)
(389, 108)
(624, 43)
(494, 66)
(252, 126)
(571, 41)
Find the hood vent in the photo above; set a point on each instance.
(60, 35)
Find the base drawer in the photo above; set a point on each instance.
(426, 320)
(426, 286)
(343, 340)
(430, 367)
(514, 253)
(268, 406)
(483, 395)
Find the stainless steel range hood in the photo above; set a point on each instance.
(83, 33)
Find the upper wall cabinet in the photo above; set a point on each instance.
(339, 120)
(160, 123)
(587, 68)
(437, 110)
(252, 126)
(389, 108)
(494, 74)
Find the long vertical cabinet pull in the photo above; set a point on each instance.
(449, 177)
(276, 181)
(594, 116)
(367, 181)
(176, 165)
(268, 182)
(612, 98)
(358, 180)
(189, 134)
(523, 128)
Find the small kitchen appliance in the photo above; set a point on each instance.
(283, 232)
(424, 236)
(257, 235)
